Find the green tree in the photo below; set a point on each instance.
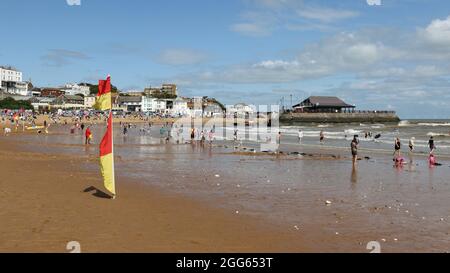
(12, 104)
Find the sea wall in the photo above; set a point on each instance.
(359, 117)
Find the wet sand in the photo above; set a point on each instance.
(176, 198)
(43, 206)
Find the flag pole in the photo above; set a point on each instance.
(113, 165)
(112, 140)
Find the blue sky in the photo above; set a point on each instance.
(390, 56)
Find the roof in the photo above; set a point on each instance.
(9, 68)
(70, 97)
(41, 100)
(212, 107)
(324, 101)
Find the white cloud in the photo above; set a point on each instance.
(403, 68)
(269, 15)
(62, 57)
(327, 15)
(277, 64)
(178, 56)
(255, 24)
(251, 29)
(438, 32)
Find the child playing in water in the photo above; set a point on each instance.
(88, 136)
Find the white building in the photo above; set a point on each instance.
(180, 107)
(41, 103)
(213, 110)
(73, 89)
(148, 104)
(89, 101)
(154, 105)
(130, 103)
(11, 81)
(68, 102)
(241, 110)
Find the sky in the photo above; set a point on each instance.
(376, 54)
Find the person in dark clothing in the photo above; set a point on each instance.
(431, 145)
(397, 147)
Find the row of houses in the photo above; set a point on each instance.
(72, 96)
(194, 107)
(11, 82)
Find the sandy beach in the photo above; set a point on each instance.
(44, 206)
(185, 198)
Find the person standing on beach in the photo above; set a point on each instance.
(431, 145)
(300, 135)
(322, 137)
(202, 139)
(411, 144)
(88, 136)
(211, 136)
(279, 138)
(354, 148)
(397, 147)
(192, 135)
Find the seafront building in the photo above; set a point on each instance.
(89, 101)
(329, 109)
(11, 81)
(323, 104)
(67, 102)
(241, 110)
(165, 90)
(74, 89)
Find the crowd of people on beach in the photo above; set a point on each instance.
(399, 160)
(169, 131)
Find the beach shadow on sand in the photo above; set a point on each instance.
(98, 193)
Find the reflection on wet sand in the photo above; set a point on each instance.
(289, 189)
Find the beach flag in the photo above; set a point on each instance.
(107, 157)
(103, 100)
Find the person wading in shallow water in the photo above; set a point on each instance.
(322, 137)
(431, 145)
(411, 144)
(354, 148)
(397, 147)
(300, 135)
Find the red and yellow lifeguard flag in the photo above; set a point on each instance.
(107, 158)
(103, 100)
